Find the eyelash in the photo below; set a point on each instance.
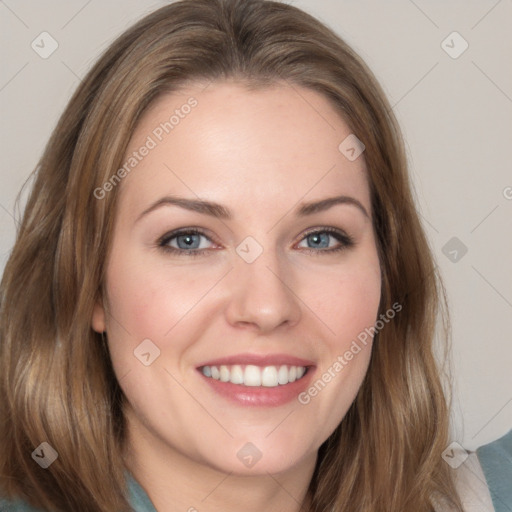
(345, 240)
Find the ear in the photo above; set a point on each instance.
(98, 317)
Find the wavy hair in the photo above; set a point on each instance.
(56, 380)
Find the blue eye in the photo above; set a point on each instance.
(320, 239)
(190, 241)
(187, 242)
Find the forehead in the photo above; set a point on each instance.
(260, 148)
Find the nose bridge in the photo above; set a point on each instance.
(261, 288)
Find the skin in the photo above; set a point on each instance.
(259, 153)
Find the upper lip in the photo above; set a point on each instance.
(258, 360)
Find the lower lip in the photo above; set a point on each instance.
(260, 395)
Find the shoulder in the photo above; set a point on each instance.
(496, 461)
(16, 506)
(137, 497)
(483, 479)
(472, 486)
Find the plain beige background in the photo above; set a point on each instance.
(455, 112)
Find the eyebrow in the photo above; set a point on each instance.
(221, 212)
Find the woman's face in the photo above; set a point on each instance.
(235, 345)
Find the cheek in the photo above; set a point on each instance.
(157, 301)
(350, 309)
(148, 300)
(363, 296)
(348, 304)
(348, 301)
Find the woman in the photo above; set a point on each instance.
(287, 359)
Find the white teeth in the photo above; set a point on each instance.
(237, 374)
(255, 376)
(224, 374)
(252, 375)
(282, 376)
(269, 377)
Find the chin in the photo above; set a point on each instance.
(259, 457)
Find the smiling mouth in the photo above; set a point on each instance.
(255, 376)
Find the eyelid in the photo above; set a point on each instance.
(164, 239)
(340, 235)
(324, 229)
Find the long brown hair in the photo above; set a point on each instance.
(57, 384)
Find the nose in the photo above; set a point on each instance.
(261, 294)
